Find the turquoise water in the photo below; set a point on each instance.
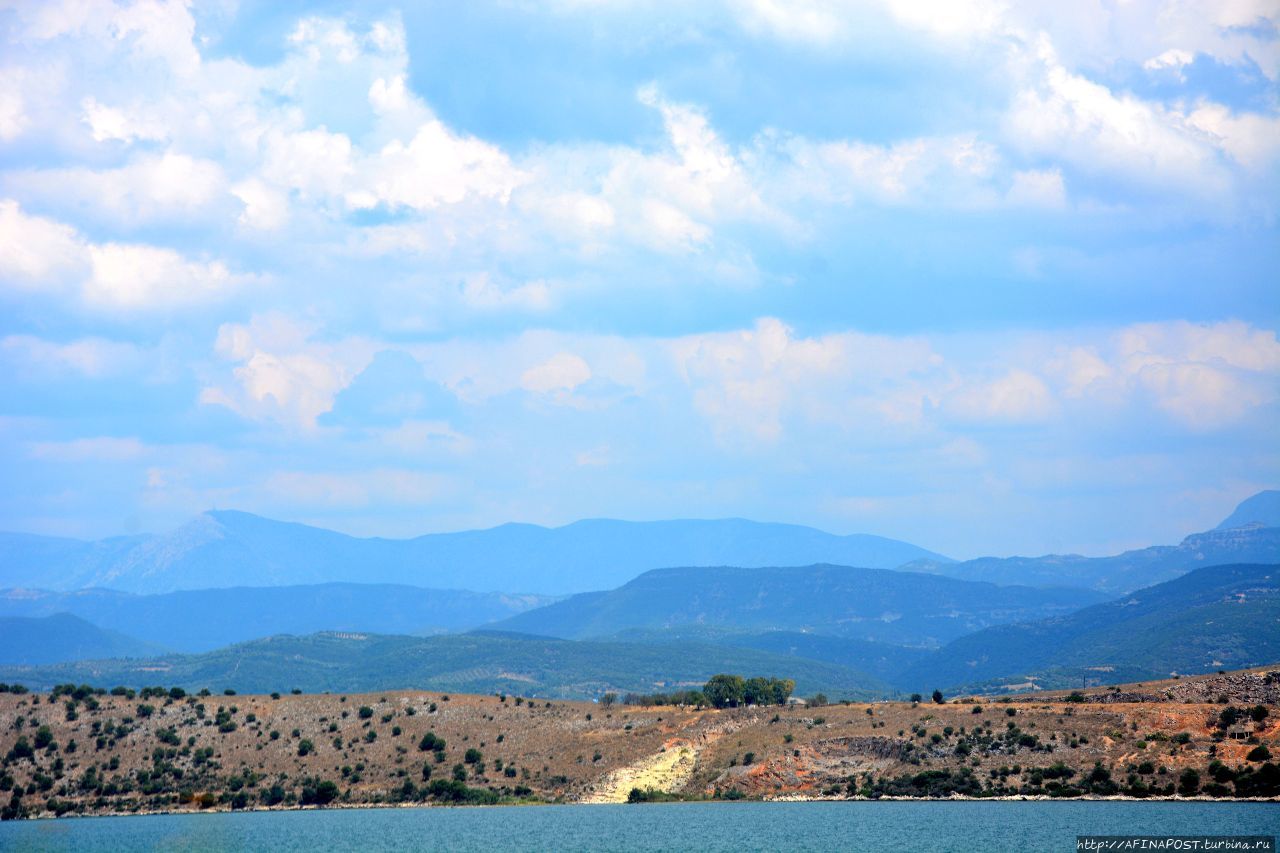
(702, 827)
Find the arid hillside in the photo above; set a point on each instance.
(74, 751)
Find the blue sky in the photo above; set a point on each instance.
(990, 277)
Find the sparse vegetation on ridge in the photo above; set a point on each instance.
(85, 750)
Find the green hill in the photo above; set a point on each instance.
(481, 662)
(1218, 617)
(885, 661)
(870, 604)
(63, 637)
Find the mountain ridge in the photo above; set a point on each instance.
(232, 548)
(1214, 617)
(1262, 509)
(483, 662)
(236, 548)
(1121, 573)
(882, 605)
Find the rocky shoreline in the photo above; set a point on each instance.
(789, 798)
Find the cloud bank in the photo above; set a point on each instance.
(989, 277)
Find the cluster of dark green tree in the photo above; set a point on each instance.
(1232, 715)
(1263, 781)
(652, 795)
(722, 691)
(730, 691)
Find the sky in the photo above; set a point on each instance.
(989, 277)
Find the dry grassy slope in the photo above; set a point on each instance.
(796, 751)
(849, 741)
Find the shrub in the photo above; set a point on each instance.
(455, 791)
(649, 795)
(1262, 782)
(318, 793)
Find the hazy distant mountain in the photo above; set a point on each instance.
(870, 604)
(200, 620)
(51, 562)
(1216, 617)
(1250, 535)
(63, 637)
(1262, 509)
(220, 549)
(1123, 572)
(472, 663)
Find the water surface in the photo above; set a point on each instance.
(704, 827)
